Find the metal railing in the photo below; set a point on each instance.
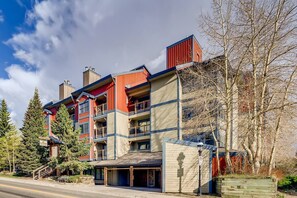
(101, 154)
(139, 130)
(100, 109)
(140, 107)
(100, 132)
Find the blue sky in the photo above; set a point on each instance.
(12, 15)
(46, 42)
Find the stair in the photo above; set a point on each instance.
(41, 172)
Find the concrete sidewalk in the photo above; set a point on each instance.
(108, 191)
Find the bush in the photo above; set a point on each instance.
(75, 166)
(53, 163)
(74, 178)
(289, 182)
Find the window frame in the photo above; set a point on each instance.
(83, 107)
(82, 131)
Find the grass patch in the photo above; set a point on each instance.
(11, 175)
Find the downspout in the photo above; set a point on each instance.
(90, 126)
(150, 84)
(115, 118)
(178, 108)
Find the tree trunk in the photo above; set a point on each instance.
(13, 159)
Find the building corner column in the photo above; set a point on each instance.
(105, 176)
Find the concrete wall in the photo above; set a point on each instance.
(164, 117)
(164, 89)
(122, 143)
(122, 146)
(164, 110)
(122, 124)
(157, 139)
(180, 168)
(110, 147)
(110, 123)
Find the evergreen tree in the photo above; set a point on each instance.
(72, 147)
(5, 125)
(32, 155)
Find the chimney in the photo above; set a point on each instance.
(90, 76)
(184, 51)
(65, 89)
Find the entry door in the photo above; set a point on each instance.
(151, 178)
(54, 151)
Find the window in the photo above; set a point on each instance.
(99, 174)
(84, 128)
(84, 107)
(143, 145)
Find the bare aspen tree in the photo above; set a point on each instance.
(201, 105)
(224, 39)
(270, 27)
(257, 38)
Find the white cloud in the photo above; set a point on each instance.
(1, 17)
(112, 36)
(24, 56)
(158, 62)
(19, 87)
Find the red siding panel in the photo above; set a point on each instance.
(183, 51)
(109, 89)
(128, 79)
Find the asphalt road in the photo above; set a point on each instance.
(10, 189)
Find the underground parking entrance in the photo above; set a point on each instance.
(131, 170)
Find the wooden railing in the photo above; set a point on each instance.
(100, 109)
(101, 154)
(41, 172)
(140, 106)
(100, 132)
(139, 130)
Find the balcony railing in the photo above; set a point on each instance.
(101, 155)
(139, 107)
(100, 132)
(100, 109)
(139, 130)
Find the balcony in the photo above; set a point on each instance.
(101, 155)
(100, 132)
(139, 130)
(139, 107)
(100, 109)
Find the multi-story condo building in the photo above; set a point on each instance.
(127, 117)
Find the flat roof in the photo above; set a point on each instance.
(138, 159)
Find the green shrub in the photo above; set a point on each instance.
(73, 178)
(289, 182)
